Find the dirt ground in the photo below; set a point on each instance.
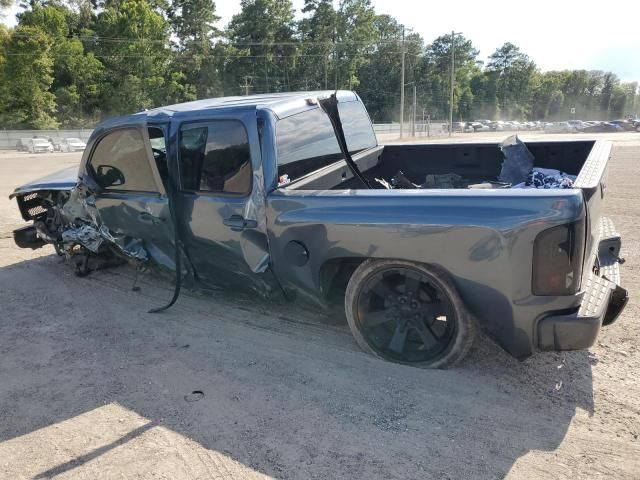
(93, 386)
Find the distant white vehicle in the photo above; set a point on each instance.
(39, 145)
(577, 124)
(72, 145)
(559, 127)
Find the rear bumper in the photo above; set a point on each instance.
(602, 302)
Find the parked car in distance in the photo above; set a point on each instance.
(40, 145)
(600, 127)
(559, 127)
(576, 124)
(22, 145)
(72, 145)
(458, 126)
(479, 127)
(625, 125)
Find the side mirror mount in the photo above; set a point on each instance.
(109, 176)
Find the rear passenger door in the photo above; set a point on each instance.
(222, 201)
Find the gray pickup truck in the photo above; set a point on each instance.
(279, 193)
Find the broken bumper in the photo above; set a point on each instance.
(602, 302)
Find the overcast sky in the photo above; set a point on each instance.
(556, 34)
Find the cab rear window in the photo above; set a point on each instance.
(306, 141)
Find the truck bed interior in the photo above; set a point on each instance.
(475, 163)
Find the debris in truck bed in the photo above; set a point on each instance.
(518, 161)
(445, 180)
(547, 178)
(399, 180)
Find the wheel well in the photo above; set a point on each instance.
(335, 274)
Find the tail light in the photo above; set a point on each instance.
(557, 259)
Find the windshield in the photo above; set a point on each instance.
(74, 140)
(40, 142)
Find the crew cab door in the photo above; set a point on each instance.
(222, 200)
(132, 201)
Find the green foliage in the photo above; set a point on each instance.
(262, 52)
(73, 63)
(27, 76)
(194, 25)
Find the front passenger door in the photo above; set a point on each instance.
(132, 202)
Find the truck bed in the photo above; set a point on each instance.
(475, 163)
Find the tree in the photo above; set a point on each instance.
(137, 59)
(380, 78)
(436, 72)
(262, 46)
(194, 25)
(315, 68)
(512, 72)
(77, 75)
(356, 33)
(25, 99)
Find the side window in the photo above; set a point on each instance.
(120, 162)
(306, 142)
(358, 130)
(215, 157)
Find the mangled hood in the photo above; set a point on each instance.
(62, 180)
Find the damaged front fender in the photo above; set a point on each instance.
(70, 219)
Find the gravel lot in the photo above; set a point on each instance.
(92, 386)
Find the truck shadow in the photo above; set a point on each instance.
(252, 385)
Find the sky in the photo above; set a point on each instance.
(556, 34)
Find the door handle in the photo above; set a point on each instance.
(237, 223)
(146, 217)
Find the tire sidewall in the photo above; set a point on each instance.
(464, 328)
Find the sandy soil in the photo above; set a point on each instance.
(92, 386)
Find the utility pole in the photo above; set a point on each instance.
(453, 72)
(402, 87)
(414, 108)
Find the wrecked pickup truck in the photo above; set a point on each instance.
(290, 194)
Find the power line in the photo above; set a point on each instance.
(227, 43)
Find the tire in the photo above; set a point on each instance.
(432, 311)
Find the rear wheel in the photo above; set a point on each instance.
(408, 313)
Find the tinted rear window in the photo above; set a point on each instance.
(306, 141)
(215, 157)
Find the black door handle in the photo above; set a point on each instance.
(237, 223)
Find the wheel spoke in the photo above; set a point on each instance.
(399, 339)
(373, 319)
(381, 288)
(426, 334)
(411, 284)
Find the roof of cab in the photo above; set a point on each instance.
(267, 100)
(281, 104)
